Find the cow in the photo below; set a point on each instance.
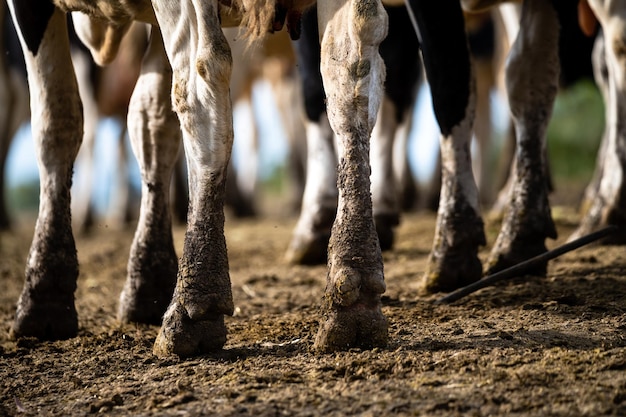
(183, 86)
(400, 53)
(532, 81)
(104, 92)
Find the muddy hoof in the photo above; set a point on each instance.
(45, 319)
(451, 271)
(517, 253)
(355, 326)
(308, 250)
(385, 225)
(179, 335)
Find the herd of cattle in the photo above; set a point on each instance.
(359, 67)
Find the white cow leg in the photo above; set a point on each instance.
(609, 204)
(532, 80)
(201, 63)
(385, 194)
(46, 306)
(154, 133)
(82, 189)
(591, 218)
(408, 193)
(309, 243)
(353, 74)
(400, 53)
(453, 260)
(120, 209)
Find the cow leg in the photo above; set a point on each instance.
(385, 194)
(453, 261)
(353, 74)
(46, 306)
(201, 63)
(120, 210)
(590, 219)
(400, 53)
(309, 243)
(609, 204)
(82, 190)
(532, 75)
(154, 135)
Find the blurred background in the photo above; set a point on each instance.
(574, 135)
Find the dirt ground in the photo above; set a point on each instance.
(553, 347)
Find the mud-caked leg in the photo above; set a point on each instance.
(353, 74)
(201, 63)
(453, 260)
(46, 306)
(532, 75)
(609, 200)
(155, 137)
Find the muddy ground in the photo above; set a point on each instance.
(552, 346)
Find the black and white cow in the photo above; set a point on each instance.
(185, 77)
(532, 80)
(400, 53)
(104, 92)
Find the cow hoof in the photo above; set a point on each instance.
(132, 310)
(452, 270)
(357, 326)
(45, 319)
(144, 303)
(184, 337)
(514, 254)
(151, 277)
(308, 250)
(385, 224)
(594, 220)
